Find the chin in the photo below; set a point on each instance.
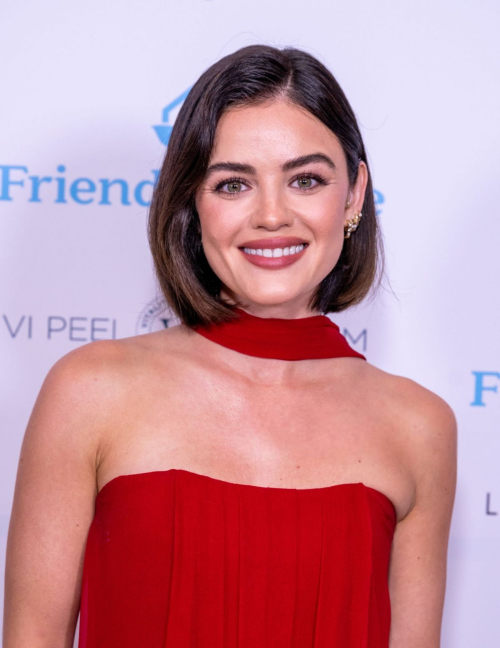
(265, 298)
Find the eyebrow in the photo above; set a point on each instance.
(239, 167)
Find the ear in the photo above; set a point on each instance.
(356, 196)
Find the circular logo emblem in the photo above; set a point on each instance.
(155, 316)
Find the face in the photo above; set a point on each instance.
(259, 201)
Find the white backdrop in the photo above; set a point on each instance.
(82, 88)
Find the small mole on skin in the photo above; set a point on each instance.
(297, 466)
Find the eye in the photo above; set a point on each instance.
(306, 178)
(233, 186)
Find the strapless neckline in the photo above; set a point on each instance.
(176, 559)
(112, 483)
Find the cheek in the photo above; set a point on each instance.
(325, 220)
(220, 220)
(217, 230)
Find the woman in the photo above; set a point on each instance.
(256, 481)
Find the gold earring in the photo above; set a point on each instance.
(352, 224)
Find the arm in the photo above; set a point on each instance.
(417, 571)
(53, 503)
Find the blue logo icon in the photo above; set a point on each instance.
(164, 130)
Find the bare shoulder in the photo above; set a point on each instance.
(417, 575)
(84, 400)
(93, 380)
(81, 399)
(414, 401)
(99, 377)
(427, 426)
(433, 430)
(104, 368)
(428, 419)
(75, 406)
(89, 377)
(420, 408)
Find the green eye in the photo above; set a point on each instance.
(232, 183)
(307, 178)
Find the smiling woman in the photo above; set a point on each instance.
(245, 478)
(280, 192)
(265, 141)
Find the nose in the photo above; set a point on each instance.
(271, 210)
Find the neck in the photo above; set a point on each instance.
(253, 370)
(269, 341)
(279, 312)
(282, 311)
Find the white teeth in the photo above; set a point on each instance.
(275, 252)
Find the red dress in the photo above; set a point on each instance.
(175, 559)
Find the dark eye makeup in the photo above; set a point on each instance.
(314, 176)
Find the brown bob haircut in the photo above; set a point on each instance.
(252, 75)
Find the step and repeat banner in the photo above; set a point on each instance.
(89, 95)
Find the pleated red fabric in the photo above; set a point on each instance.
(284, 339)
(176, 559)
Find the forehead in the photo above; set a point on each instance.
(271, 132)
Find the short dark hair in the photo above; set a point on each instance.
(252, 75)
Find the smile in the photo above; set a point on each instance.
(274, 258)
(275, 252)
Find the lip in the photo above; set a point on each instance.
(274, 263)
(271, 243)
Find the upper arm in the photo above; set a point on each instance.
(417, 571)
(53, 503)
